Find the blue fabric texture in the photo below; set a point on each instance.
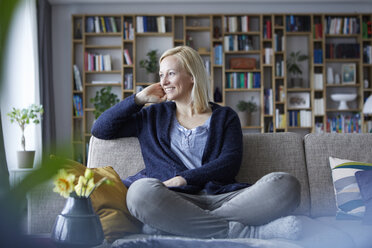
(151, 125)
(364, 179)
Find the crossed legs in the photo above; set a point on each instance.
(273, 196)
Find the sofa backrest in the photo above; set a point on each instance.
(123, 154)
(263, 153)
(318, 149)
(272, 152)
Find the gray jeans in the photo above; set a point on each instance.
(274, 195)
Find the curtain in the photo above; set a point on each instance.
(44, 22)
(4, 179)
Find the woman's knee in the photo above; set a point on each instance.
(285, 183)
(141, 192)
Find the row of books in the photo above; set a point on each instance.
(268, 101)
(367, 54)
(97, 62)
(218, 54)
(267, 30)
(279, 68)
(128, 81)
(318, 106)
(280, 119)
(299, 118)
(238, 43)
(243, 80)
(278, 43)
(128, 30)
(346, 50)
(78, 105)
(236, 24)
(127, 57)
(344, 124)
(77, 79)
(319, 127)
(150, 24)
(366, 30)
(318, 56)
(101, 24)
(318, 81)
(318, 31)
(341, 25)
(298, 23)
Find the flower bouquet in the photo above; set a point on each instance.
(77, 225)
(64, 183)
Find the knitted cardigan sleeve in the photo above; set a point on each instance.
(121, 120)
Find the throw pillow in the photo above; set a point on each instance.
(109, 202)
(348, 199)
(364, 179)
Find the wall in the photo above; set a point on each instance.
(62, 33)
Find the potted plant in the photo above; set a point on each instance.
(24, 117)
(245, 109)
(294, 67)
(150, 65)
(103, 100)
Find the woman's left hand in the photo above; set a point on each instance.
(175, 182)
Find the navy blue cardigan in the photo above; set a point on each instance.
(222, 154)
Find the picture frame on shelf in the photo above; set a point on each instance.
(298, 100)
(349, 73)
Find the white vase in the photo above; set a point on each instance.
(337, 78)
(330, 79)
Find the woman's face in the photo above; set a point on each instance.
(177, 83)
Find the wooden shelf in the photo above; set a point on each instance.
(203, 36)
(101, 47)
(343, 110)
(103, 72)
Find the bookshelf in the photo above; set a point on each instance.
(116, 43)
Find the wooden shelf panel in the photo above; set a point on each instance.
(242, 89)
(101, 47)
(103, 72)
(155, 34)
(104, 34)
(343, 110)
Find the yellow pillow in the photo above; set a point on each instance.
(109, 202)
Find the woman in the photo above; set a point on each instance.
(192, 150)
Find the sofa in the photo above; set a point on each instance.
(305, 157)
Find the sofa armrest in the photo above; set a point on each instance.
(43, 206)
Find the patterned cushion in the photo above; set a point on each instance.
(364, 179)
(348, 199)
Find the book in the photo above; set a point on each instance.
(127, 57)
(318, 81)
(97, 25)
(90, 24)
(128, 81)
(113, 24)
(77, 78)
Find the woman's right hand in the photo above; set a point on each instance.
(151, 94)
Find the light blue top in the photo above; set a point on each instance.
(188, 144)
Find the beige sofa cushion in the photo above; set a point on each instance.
(271, 152)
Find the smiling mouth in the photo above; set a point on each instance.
(168, 89)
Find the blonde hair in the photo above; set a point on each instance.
(193, 64)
